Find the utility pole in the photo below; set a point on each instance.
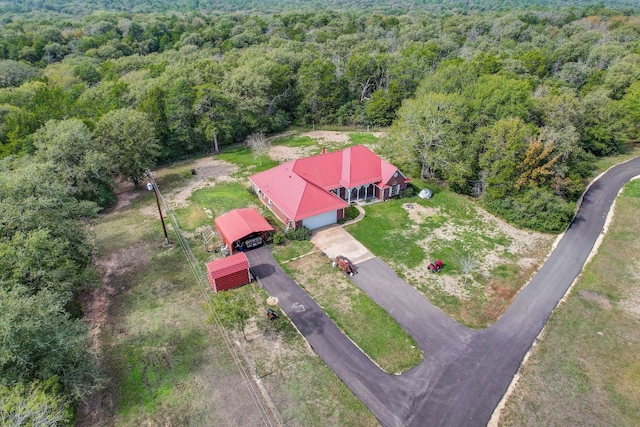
(151, 186)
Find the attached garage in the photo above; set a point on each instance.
(228, 273)
(321, 220)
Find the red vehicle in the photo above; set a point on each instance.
(434, 267)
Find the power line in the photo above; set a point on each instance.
(200, 278)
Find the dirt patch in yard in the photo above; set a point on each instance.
(125, 195)
(335, 136)
(113, 270)
(597, 298)
(209, 170)
(486, 261)
(520, 243)
(283, 153)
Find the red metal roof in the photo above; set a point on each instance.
(225, 266)
(239, 223)
(295, 196)
(300, 188)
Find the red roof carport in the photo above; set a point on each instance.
(228, 273)
(240, 223)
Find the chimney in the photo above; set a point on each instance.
(324, 150)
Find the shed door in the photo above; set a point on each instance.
(320, 220)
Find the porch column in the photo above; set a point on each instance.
(349, 198)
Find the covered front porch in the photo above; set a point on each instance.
(362, 194)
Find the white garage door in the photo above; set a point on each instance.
(320, 220)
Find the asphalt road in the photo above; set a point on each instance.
(465, 372)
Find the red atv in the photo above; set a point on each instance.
(434, 267)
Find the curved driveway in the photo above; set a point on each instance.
(465, 372)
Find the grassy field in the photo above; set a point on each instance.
(486, 262)
(245, 158)
(586, 369)
(161, 357)
(166, 365)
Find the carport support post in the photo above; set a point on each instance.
(151, 187)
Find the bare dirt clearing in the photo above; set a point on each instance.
(283, 153)
(209, 170)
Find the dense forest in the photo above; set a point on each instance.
(83, 7)
(511, 107)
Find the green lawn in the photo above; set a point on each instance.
(452, 228)
(218, 199)
(586, 369)
(362, 138)
(246, 160)
(295, 141)
(359, 317)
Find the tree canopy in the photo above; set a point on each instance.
(507, 104)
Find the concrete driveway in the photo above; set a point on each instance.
(334, 241)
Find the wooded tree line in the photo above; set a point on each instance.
(36, 8)
(510, 107)
(552, 87)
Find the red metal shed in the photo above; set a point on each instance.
(243, 229)
(228, 273)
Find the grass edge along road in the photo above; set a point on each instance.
(586, 368)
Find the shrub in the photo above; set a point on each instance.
(410, 191)
(351, 213)
(279, 239)
(300, 233)
(536, 209)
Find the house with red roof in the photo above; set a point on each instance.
(314, 191)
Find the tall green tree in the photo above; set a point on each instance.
(214, 115)
(31, 200)
(13, 73)
(75, 159)
(433, 127)
(321, 91)
(181, 121)
(38, 403)
(504, 151)
(39, 340)
(39, 261)
(128, 138)
(494, 97)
